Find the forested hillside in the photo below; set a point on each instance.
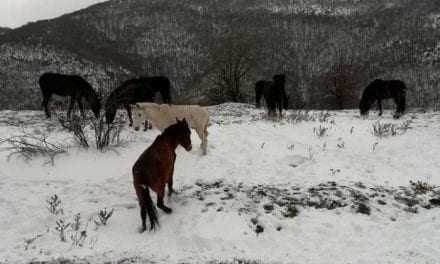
(214, 51)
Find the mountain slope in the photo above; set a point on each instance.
(115, 40)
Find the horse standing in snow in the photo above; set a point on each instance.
(72, 86)
(164, 115)
(134, 91)
(379, 90)
(274, 94)
(155, 167)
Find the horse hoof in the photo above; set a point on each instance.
(166, 209)
(142, 230)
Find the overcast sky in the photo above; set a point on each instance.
(15, 13)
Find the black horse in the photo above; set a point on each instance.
(72, 86)
(134, 91)
(274, 94)
(379, 90)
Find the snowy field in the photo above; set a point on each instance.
(311, 188)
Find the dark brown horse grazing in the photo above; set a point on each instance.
(155, 167)
(73, 86)
(136, 91)
(379, 90)
(274, 94)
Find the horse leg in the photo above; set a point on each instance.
(45, 105)
(81, 107)
(379, 106)
(170, 181)
(160, 203)
(69, 111)
(201, 136)
(146, 204)
(280, 108)
(127, 107)
(205, 140)
(257, 98)
(400, 106)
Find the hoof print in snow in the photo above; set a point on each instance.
(363, 209)
(279, 228)
(220, 209)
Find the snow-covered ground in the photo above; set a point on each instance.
(268, 191)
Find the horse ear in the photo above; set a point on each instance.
(178, 121)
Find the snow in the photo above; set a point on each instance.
(252, 162)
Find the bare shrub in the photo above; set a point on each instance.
(29, 146)
(54, 203)
(78, 236)
(300, 116)
(320, 131)
(105, 135)
(420, 187)
(61, 228)
(384, 129)
(324, 116)
(76, 125)
(103, 216)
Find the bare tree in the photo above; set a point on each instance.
(339, 87)
(231, 57)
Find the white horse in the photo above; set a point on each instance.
(164, 115)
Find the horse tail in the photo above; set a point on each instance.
(147, 206)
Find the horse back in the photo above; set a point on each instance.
(392, 89)
(63, 85)
(153, 168)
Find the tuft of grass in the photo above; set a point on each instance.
(420, 187)
(384, 129)
(54, 203)
(103, 216)
(320, 131)
(61, 228)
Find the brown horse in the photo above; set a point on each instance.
(155, 167)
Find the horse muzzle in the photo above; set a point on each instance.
(188, 148)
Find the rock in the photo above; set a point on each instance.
(435, 201)
(363, 209)
(268, 207)
(381, 202)
(259, 229)
(291, 211)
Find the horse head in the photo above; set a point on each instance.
(183, 134)
(280, 78)
(138, 116)
(286, 102)
(95, 104)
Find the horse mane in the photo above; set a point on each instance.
(173, 130)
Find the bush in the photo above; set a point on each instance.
(105, 135)
(29, 146)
